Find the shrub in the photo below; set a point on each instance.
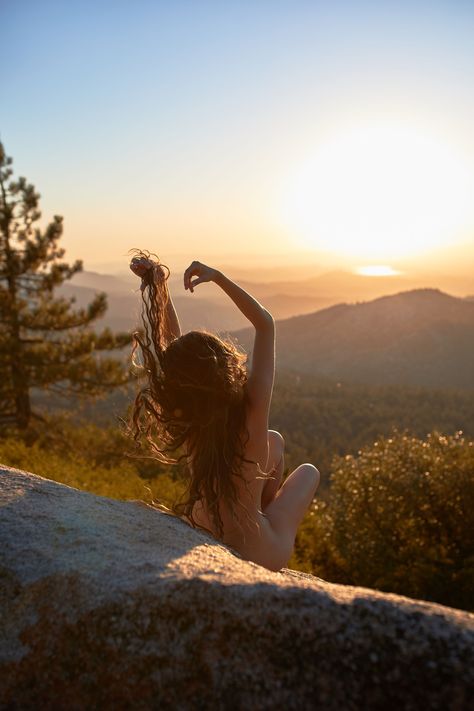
(94, 460)
(400, 518)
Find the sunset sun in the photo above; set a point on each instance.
(380, 192)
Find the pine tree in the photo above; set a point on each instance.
(44, 342)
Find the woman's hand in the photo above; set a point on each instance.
(141, 266)
(199, 270)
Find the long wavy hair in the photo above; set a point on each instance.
(193, 405)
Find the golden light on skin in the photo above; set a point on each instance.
(377, 270)
(380, 192)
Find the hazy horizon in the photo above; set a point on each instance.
(294, 267)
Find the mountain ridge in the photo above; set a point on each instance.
(416, 337)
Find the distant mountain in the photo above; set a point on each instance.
(420, 337)
(103, 282)
(208, 308)
(123, 312)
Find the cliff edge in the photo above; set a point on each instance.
(107, 604)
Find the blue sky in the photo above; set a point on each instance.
(182, 118)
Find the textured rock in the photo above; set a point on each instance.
(114, 605)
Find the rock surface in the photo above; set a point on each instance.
(115, 605)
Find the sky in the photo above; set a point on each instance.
(336, 132)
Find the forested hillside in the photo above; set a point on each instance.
(321, 418)
(209, 308)
(422, 337)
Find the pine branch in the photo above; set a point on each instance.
(46, 342)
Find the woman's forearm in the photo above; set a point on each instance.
(173, 329)
(152, 271)
(251, 309)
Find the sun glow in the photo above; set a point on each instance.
(377, 270)
(380, 192)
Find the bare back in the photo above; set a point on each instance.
(251, 534)
(265, 537)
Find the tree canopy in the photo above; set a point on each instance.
(45, 342)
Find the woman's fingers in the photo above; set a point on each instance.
(186, 279)
(140, 265)
(199, 270)
(190, 283)
(194, 283)
(194, 269)
(138, 269)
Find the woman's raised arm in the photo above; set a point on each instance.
(262, 371)
(143, 267)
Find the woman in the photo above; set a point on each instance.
(201, 400)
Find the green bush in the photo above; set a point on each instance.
(95, 460)
(400, 518)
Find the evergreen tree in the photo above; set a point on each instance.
(44, 342)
